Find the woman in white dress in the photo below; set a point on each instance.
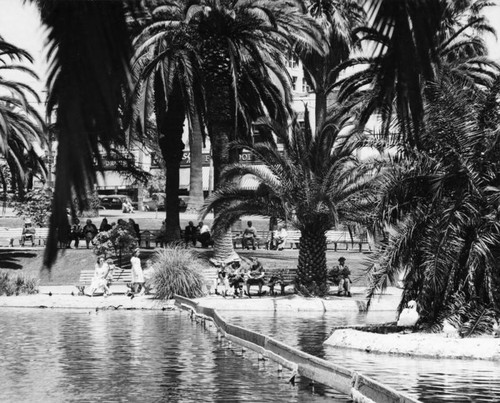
(137, 273)
(100, 281)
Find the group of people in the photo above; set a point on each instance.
(103, 275)
(89, 231)
(276, 241)
(200, 233)
(233, 277)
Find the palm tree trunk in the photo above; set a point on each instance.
(196, 167)
(221, 121)
(320, 105)
(170, 123)
(311, 269)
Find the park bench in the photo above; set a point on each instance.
(293, 238)
(152, 237)
(281, 277)
(41, 235)
(263, 238)
(121, 276)
(333, 237)
(8, 235)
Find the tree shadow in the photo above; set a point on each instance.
(10, 259)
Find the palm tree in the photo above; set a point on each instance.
(442, 204)
(168, 74)
(314, 183)
(21, 125)
(168, 57)
(338, 18)
(440, 38)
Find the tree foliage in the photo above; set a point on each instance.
(441, 205)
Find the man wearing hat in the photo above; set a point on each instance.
(340, 275)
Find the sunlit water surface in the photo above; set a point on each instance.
(429, 380)
(151, 356)
(131, 356)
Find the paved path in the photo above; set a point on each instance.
(61, 297)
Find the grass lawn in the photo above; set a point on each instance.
(70, 262)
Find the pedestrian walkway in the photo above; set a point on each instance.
(66, 296)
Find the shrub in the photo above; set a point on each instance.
(121, 238)
(17, 284)
(177, 270)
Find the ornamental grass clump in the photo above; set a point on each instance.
(177, 270)
(17, 284)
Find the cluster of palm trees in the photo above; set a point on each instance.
(140, 69)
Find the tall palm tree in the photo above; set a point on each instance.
(314, 183)
(20, 124)
(338, 18)
(168, 74)
(168, 49)
(442, 204)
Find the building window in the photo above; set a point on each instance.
(305, 86)
(292, 62)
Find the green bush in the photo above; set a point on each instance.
(17, 284)
(177, 270)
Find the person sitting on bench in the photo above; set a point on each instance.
(237, 279)
(249, 236)
(28, 233)
(340, 276)
(255, 276)
(280, 238)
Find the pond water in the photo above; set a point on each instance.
(128, 356)
(152, 356)
(429, 380)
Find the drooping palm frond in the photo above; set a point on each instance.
(443, 39)
(89, 50)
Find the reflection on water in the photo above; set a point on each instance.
(429, 380)
(81, 356)
(127, 356)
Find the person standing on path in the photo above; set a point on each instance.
(137, 273)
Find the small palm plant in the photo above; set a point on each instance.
(314, 183)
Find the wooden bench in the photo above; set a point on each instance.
(41, 235)
(152, 237)
(8, 235)
(120, 277)
(335, 237)
(263, 239)
(281, 277)
(293, 238)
